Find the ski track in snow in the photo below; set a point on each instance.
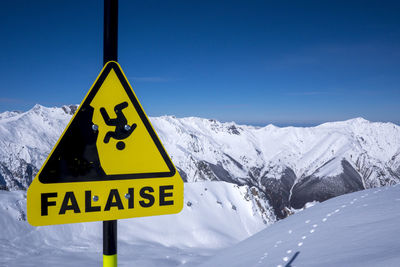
(301, 233)
(312, 230)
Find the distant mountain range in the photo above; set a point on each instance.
(285, 167)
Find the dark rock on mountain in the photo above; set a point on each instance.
(278, 191)
(314, 188)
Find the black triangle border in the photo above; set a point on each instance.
(129, 91)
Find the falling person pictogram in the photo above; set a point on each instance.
(122, 128)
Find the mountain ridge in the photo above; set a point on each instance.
(280, 162)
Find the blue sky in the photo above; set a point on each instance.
(255, 62)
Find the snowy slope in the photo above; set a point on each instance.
(220, 214)
(358, 229)
(290, 166)
(25, 141)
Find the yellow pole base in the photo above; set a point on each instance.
(110, 260)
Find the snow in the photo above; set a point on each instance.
(357, 229)
(219, 216)
(372, 148)
(330, 169)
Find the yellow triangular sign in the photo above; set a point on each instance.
(108, 164)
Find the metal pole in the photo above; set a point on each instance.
(110, 49)
(110, 53)
(110, 243)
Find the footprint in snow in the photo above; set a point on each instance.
(263, 257)
(300, 244)
(324, 219)
(277, 243)
(308, 221)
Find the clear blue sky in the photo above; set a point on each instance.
(258, 62)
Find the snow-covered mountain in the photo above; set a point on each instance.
(358, 230)
(218, 228)
(287, 167)
(215, 215)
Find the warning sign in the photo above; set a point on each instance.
(108, 164)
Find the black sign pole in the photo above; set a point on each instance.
(110, 53)
(110, 49)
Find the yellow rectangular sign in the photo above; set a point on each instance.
(100, 201)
